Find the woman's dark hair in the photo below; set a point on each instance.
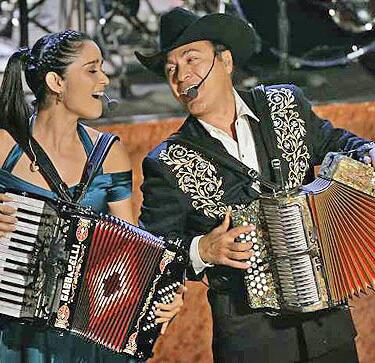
(51, 53)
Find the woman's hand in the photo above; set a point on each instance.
(166, 312)
(7, 220)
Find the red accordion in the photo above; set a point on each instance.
(97, 277)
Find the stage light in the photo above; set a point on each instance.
(102, 21)
(15, 22)
(368, 26)
(332, 12)
(354, 48)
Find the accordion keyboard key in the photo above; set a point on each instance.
(11, 309)
(17, 243)
(26, 201)
(19, 256)
(15, 278)
(11, 297)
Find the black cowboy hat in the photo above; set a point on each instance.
(179, 27)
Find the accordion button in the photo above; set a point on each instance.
(260, 293)
(255, 247)
(253, 284)
(257, 278)
(252, 258)
(254, 240)
(256, 272)
(254, 265)
(265, 288)
(250, 270)
(242, 235)
(259, 286)
(262, 274)
(263, 281)
(254, 291)
(253, 233)
(257, 253)
(245, 223)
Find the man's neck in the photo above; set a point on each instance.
(223, 116)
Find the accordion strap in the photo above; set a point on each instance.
(95, 160)
(47, 169)
(99, 152)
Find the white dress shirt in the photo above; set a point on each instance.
(243, 150)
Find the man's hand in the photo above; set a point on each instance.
(371, 154)
(219, 248)
(166, 312)
(7, 220)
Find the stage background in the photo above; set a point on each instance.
(188, 338)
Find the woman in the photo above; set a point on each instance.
(64, 72)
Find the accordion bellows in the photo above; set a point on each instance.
(313, 248)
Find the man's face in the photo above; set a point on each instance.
(187, 65)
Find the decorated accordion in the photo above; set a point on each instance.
(313, 248)
(96, 277)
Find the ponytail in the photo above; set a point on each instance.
(14, 110)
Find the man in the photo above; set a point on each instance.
(207, 167)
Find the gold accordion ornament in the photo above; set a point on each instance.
(313, 248)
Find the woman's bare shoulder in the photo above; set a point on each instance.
(6, 142)
(117, 159)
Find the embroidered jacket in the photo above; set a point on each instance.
(190, 179)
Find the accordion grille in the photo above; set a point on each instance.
(290, 254)
(118, 270)
(346, 227)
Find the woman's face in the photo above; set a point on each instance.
(84, 83)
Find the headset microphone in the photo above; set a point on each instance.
(192, 92)
(111, 102)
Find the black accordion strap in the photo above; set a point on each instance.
(47, 169)
(95, 160)
(262, 110)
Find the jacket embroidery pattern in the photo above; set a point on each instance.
(290, 132)
(196, 177)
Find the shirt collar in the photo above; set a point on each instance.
(242, 109)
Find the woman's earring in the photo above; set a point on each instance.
(59, 98)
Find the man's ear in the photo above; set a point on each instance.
(55, 82)
(226, 55)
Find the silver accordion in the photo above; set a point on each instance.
(314, 248)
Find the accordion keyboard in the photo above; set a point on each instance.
(18, 251)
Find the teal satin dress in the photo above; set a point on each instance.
(25, 344)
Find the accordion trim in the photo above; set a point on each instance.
(290, 132)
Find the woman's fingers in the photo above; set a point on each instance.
(5, 198)
(166, 312)
(164, 327)
(7, 218)
(7, 209)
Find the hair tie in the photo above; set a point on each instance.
(25, 54)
